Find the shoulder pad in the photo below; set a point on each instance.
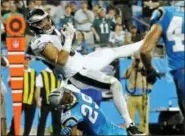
(38, 42)
(35, 38)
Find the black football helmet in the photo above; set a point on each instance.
(56, 96)
(35, 17)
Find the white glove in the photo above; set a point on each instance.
(68, 31)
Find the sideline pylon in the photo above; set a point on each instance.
(15, 27)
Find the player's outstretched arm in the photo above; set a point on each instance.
(60, 57)
(149, 43)
(52, 53)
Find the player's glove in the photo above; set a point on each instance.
(66, 131)
(152, 76)
(68, 31)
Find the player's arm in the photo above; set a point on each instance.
(52, 53)
(149, 43)
(70, 131)
(69, 126)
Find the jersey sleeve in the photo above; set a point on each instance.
(68, 120)
(158, 17)
(38, 43)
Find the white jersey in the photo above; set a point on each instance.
(75, 60)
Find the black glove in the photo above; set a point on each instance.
(152, 76)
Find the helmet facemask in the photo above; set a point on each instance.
(68, 100)
(46, 31)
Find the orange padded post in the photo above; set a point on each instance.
(15, 44)
(16, 58)
(15, 26)
(17, 95)
(16, 84)
(17, 110)
(16, 70)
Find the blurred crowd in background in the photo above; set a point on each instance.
(99, 23)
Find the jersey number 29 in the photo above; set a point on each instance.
(87, 110)
(174, 33)
(104, 28)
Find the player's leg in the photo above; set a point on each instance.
(99, 80)
(178, 76)
(102, 58)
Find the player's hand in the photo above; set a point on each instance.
(66, 131)
(152, 76)
(68, 31)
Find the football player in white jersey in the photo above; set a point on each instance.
(54, 48)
